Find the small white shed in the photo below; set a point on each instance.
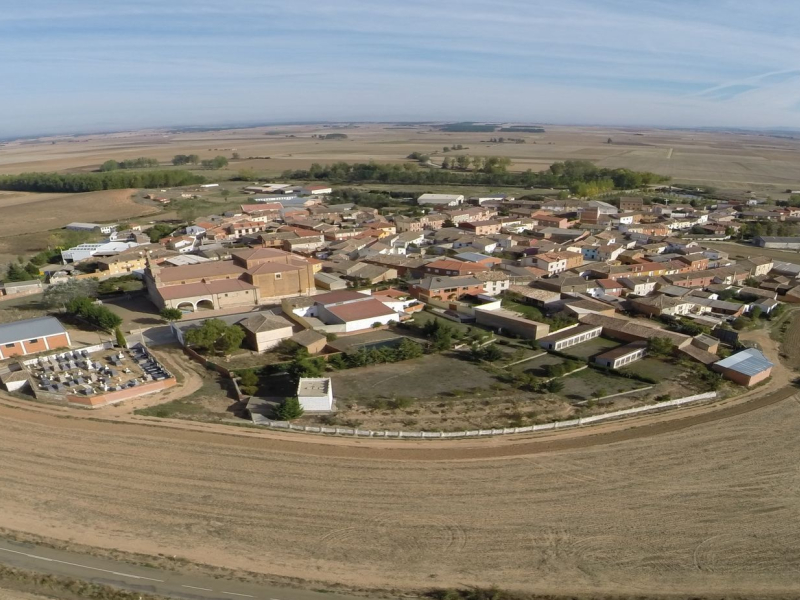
(315, 394)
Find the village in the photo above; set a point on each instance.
(526, 310)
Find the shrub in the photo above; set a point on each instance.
(290, 409)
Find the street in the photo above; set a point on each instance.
(144, 579)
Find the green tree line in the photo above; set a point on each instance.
(132, 163)
(93, 182)
(568, 174)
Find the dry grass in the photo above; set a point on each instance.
(725, 160)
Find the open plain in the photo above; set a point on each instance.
(727, 160)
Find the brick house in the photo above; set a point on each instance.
(31, 336)
(453, 268)
(446, 288)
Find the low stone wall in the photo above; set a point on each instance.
(434, 435)
(109, 398)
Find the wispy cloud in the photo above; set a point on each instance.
(68, 65)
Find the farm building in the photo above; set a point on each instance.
(747, 367)
(31, 336)
(509, 321)
(787, 243)
(440, 199)
(570, 336)
(91, 227)
(632, 330)
(315, 394)
(624, 355)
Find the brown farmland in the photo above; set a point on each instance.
(26, 219)
(705, 509)
(726, 160)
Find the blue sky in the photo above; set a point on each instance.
(91, 65)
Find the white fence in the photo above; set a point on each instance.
(258, 420)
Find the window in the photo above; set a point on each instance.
(10, 345)
(278, 275)
(33, 341)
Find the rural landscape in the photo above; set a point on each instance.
(566, 505)
(360, 300)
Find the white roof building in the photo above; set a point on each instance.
(441, 199)
(315, 394)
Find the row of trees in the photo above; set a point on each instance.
(479, 164)
(569, 174)
(132, 163)
(214, 163)
(185, 159)
(93, 182)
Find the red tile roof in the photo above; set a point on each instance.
(365, 309)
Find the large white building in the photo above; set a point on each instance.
(441, 199)
(84, 251)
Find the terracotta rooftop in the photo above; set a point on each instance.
(356, 311)
(217, 269)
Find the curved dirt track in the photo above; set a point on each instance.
(707, 508)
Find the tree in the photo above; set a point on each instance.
(408, 349)
(215, 163)
(187, 213)
(205, 336)
(16, 273)
(306, 367)
(171, 314)
(248, 382)
(94, 314)
(660, 346)
(290, 409)
(236, 156)
(61, 294)
(741, 323)
(756, 312)
(225, 193)
(121, 341)
(109, 165)
(555, 385)
(489, 353)
(231, 339)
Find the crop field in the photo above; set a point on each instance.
(27, 220)
(726, 160)
(704, 510)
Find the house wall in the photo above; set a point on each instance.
(316, 403)
(264, 340)
(742, 379)
(290, 283)
(43, 344)
(574, 340)
(362, 324)
(530, 330)
(621, 361)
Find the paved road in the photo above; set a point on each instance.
(142, 579)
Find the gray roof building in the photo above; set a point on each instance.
(30, 329)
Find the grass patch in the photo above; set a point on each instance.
(171, 409)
